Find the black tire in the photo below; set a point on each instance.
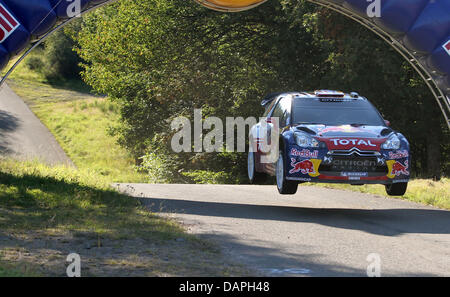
(397, 189)
(254, 176)
(284, 186)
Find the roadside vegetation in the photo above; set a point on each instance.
(178, 56)
(80, 121)
(81, 127)
(113, 121)
(49, 212)
(162, 78)
(425, 191)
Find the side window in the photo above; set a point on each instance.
(282, 111)
(269, 108)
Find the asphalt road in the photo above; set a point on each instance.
(317, 232)
(23, 136)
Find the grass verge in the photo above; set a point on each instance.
(47, 212)
(80, 124)
(428, 192)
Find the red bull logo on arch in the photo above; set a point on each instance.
(446, 46)
(8, 24)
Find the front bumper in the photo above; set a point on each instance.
(349, 167)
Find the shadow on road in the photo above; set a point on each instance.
(8, 123)
(271, 261)
(386, 222)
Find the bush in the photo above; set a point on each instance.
(59, 59)
(56, 59)
(35, 63)
(210, 177)
(160, 168)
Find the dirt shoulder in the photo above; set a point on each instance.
(47, 213)
(45, 253)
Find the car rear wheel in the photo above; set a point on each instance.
(254, 176)
(285, 187)
(397, 189)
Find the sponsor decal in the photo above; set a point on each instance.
(398, 155)
(345, 128)
(347, 143)
(400, 181)
(356, 142)
(305, 167)
(355, 174)
(8, 24)
(355, 163)
(299, 179)
(333, 177)
(304, 153)
(446, 46)
(396, 168)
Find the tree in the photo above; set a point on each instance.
(162, 58)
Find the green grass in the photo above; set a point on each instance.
(37, 198)
(428, 192)
(80, 124)
(31, 78)
(5, 271)
(41, 203)
(8, 270)
(34, 196)
(78, 120)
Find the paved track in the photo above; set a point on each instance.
(23, 136)
(317, 232)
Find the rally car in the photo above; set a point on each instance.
(326, 136)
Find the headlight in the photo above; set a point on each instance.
(393, 143)
(304, 140)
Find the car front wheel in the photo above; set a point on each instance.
(397, 189)
(285, 187)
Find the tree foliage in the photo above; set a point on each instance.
(162, 58)
(57, 60)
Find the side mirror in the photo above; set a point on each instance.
(387, 123)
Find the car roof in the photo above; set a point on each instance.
(322, 94)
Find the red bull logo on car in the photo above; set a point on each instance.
(304, 153)
(8, 24)
(396, 168)
(305, 167)
(398, 155)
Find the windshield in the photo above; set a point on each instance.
(352, 112)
